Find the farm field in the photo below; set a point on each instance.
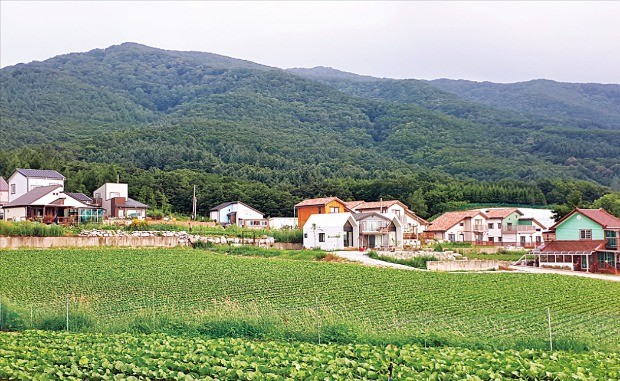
(195, 292)
(56, 355)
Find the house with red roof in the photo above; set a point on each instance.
(324, 205)
(510, 227)
(586, 240)
(460, 226)
(412, 224)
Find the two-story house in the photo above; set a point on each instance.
(461, 226)
(114, 199)
(586, 240)
(379, 230)
(23, 181)
(325, 205)
(509, 226)
(412, 223)
(240, 214)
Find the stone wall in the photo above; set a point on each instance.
(55, 242)
(473, 265)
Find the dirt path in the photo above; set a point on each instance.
(356, 256)
(538, 270)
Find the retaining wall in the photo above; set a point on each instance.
(53, 242)
(473, 265)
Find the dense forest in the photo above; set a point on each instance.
(164, 121)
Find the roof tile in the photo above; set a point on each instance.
(43, 173)
(581, 246)
(449, 219)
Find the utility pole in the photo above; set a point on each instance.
(194, 205)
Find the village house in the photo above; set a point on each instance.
(586, 240)
(412, 224)
(332, 231)
(4, 195)
(23, 181)
(240, 214)
(114, 199)
(509, 227)
(50, 204)
(379, 230)
(325, 205)
(461, 226)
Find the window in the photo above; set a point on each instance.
(114, 194)
(612, 240)
(585, 233)
(397, 212)
(334, 209)
(490, 238)
(451, 237)
(13, 189)
(490, 226)
(305, 235)
(462, 224)
(321, 237)
(97, 195)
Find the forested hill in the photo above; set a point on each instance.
(587, 105)
(164, 120)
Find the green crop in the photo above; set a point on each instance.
(185, 291)
(50, 355)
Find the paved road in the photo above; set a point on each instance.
(356, 256)
(538, 270)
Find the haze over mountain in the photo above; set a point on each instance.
(166, 119)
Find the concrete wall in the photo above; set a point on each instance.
(51, 242)
(474, 265)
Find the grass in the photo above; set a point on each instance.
(417, 262)
(254, 251)
(197, 292)
(31, 229)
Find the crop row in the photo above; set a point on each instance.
(49, 355)
(114, 283)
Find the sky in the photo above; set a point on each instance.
(481, 41)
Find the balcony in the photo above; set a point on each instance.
(514, 229)
(374, 226)
(480, 228)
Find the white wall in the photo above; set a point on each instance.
(333, 230)
(282, 222)
(4, 197)
(245, 213)
(24, 184)
(15, 214)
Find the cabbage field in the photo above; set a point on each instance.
(53, 355)
(194, 292)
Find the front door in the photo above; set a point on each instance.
(371, 241)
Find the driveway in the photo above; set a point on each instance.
(356, 256)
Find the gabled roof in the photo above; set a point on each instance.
(379, 204)
(600, 216)
(364, 215)
(500, 212)
(4, 186)
(41, 173)
(330, 219)
(449, 219)
(79, 196)
(31, 197)
(415, 216)
(319, 201)
(131, 203)
(581, 246)
(353, 204)
(225, 204)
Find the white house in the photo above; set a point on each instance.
(282, 223)
(50, 204)
(462, 226)
(332, 231)
(239, 214)
(412, 223)
(23, 181)
(4, 191)
(114, 199)
(379, 231)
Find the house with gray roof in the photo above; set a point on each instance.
(238, 213)
(23, 181)
(50, 204)
(4, 191)
(114, 198)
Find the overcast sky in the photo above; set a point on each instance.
(492, 41)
